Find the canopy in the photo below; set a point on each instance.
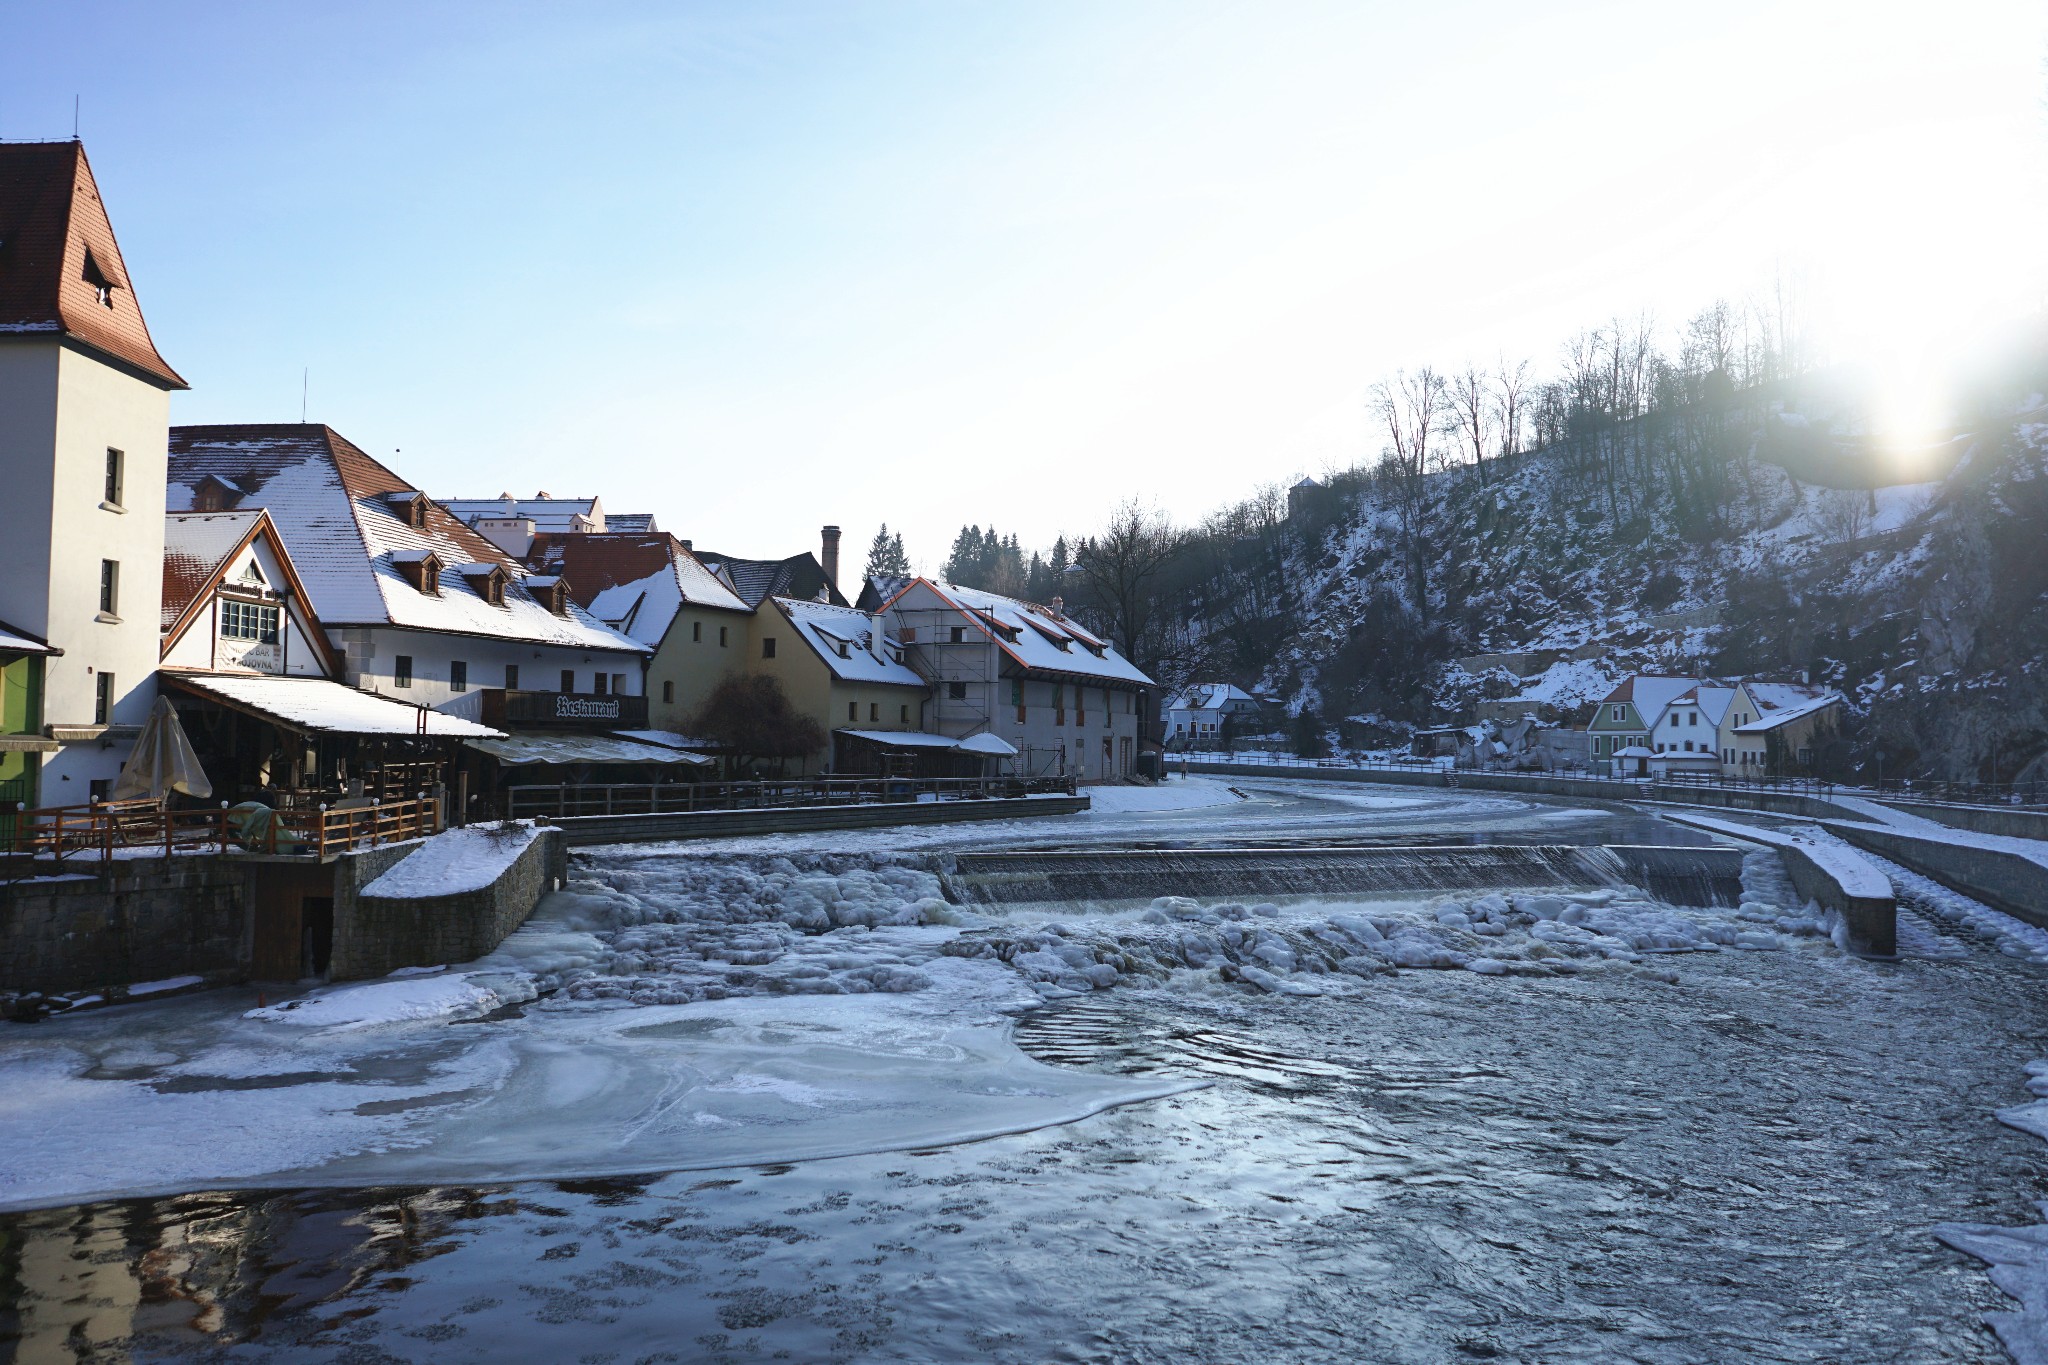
(522, 749)
(163, 761)
(986, 743)
(919, 739)
(318, 706)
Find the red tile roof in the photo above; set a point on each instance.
(55, 240)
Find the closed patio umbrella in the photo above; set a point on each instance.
(163, 761)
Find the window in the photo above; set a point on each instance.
(768, 646)
(959, 636)
(1059, 704)
(1107, 697)
(602, 683)
(956, 691)
(721, 636)
(511, 677)
(103, 699)
(1694, 718)
(619, 684)
(114, 462)
(458, 675)
(668, 689)
(568, 680)
(874, 710)
(96, 278)
(248, 621)
(903, 714)
(401, 671)
(1674, 720)
(110, 588)
(696, 632)
(853, 710)
(99, 790)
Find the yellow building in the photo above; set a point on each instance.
(838, 666)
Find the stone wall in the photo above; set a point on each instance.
(376, 935)
(721, 824)
(2005, 881)
(130, 920)
(2003, 820)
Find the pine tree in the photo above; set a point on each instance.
(886, 556)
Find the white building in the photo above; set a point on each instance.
(1025, 673)
(424, 609)
(511, 523)
(1197, 715)
(84, 407)
(1685, 738)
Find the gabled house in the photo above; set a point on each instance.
(1685, 738)
(257, 683)
(1771, 729)
(422, 607)
(650, 588)
(1620, 731)
(839, 666)
(1200, 714)
(1028, 674)
(84, 408)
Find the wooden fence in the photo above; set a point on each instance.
(107, 829)
(560, 800)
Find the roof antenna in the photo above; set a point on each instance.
(305, 382)
(74, 118)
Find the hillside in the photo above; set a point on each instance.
(1767, 533)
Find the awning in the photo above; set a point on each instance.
(320, 706)
(667, 739)
(919, 739)
(520, 750)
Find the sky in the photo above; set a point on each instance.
(755, 268)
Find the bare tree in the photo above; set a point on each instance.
(1510, 400)
(1411, 408)
(1844, 514)
(1121, 567)
(1471, 408)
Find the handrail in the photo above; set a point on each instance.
(102, 828)
(568, 800)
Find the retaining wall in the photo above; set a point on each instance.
(2005, 881)
(723, 824)
(120, 922)
(376, 935)
(1578, 788)
(2013, 824)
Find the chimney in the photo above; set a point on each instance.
(830, 558)
(689, 545)
(1059, 607)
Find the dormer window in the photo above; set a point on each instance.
(97, 279)
(550, 592)
(410, 507)
(421, 568)
(214, 494)
(488, 580)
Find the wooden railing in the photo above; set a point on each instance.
(562, 800)
(110, 828)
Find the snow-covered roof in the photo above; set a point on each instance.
(317, 704)
(1712, 701)
(333, 508)
(849, 642)
(14, 641)
(195, 543)
(1770, 696)
(1210, 697)
(1650, 693)
(983, 743)
(546, 513)
(568, 747)
(667, 739)
(669, 577)
(1634, 751)
(1785, 715)
(1034, 636)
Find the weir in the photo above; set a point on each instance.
(1679, 874)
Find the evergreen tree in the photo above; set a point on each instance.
(886, 555)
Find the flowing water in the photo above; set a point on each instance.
(1560, 1123)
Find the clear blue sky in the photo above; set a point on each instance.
(758, 267)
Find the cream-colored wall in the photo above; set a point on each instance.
(695, 665)
(814, 690)
(200, 646)
(60, 410)
(1741, 711)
